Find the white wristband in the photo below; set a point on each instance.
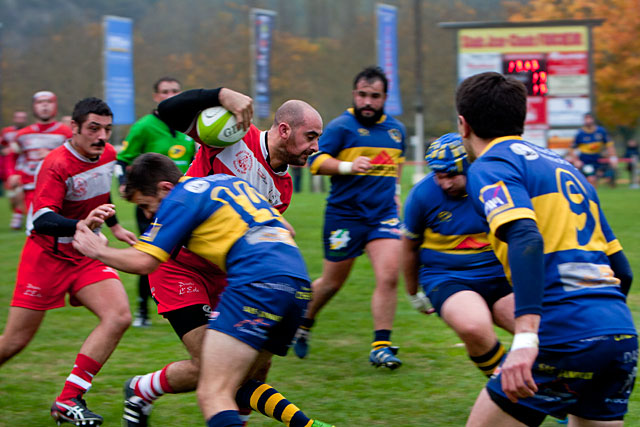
(344, 168)
(398, 189)
(524, 340)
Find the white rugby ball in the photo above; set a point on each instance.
(217, 127)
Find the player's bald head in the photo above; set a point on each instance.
(294, 112)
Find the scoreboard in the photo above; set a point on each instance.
(552, 59)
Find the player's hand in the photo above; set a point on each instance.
(361, 164)
(516, 378)
(239, 104)
(98, 216)
(87, 242)
(421, 302)
(13, 182)
(124, 235)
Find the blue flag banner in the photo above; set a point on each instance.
(263, 23)
(118, 68)
(387, 45)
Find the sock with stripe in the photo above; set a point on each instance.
(489, 361)
(266, 400)
(307, 324)
(381, 338)
(79, 380)
(225, 419)
(153, 385)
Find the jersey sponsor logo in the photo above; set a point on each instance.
(339, 239)
(495, 198)
(444, 216)
(176, 151)
(395, 134)
(187, 288)
(196, 186)
(79, 186)
(383, 159)
(243, 161)
(472, 243)
(523, 150)
(580, 275)
(392, 222)
(33, 291)
(363, 132)
(109, 270)
(207, 309)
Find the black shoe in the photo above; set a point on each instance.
(74, 411)
(136, 409)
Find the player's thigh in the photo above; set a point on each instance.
(385, 258)
(226, 361)
(466, 312)
(503, 312)
(334, 273)
(193, 339)
(95, 295)
(22, 324)
(485, 413)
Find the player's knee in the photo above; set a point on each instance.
(474, 333)
(119, 320)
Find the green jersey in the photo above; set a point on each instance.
(152, 135)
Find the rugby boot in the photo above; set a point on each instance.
(385, 356)
(136, 409)
(74, 411)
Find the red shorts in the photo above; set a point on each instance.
(185, 281)
(44, 278)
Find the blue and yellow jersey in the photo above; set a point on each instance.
(224, 220)
(513, 179)
(591, 143)
(368, 195)
(454, 237)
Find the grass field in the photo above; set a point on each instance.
(436, 386)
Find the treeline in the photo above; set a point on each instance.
(318, 47)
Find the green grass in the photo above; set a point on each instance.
(436, 386)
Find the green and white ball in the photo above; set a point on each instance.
(217, 127)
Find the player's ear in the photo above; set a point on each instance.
(463, 127)
(164, 187)
(284, 130)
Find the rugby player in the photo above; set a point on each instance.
(224, 220)
(575, 346)
(362, 150)
(446, 251)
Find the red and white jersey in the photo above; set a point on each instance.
(8, 151)
(246, 159)
(71, 185)
(35, 142)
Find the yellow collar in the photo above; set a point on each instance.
(498, 141)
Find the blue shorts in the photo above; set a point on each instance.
(591, 164)
(490, 291)
(346, 238)
(590, 378)
(265, 314)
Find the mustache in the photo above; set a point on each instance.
(99, 143)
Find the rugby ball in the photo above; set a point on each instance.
(217, 127)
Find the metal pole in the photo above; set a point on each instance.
(1, 59)
(419, 116)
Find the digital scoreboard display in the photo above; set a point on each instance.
(530, 70)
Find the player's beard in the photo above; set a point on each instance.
(368, 121)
